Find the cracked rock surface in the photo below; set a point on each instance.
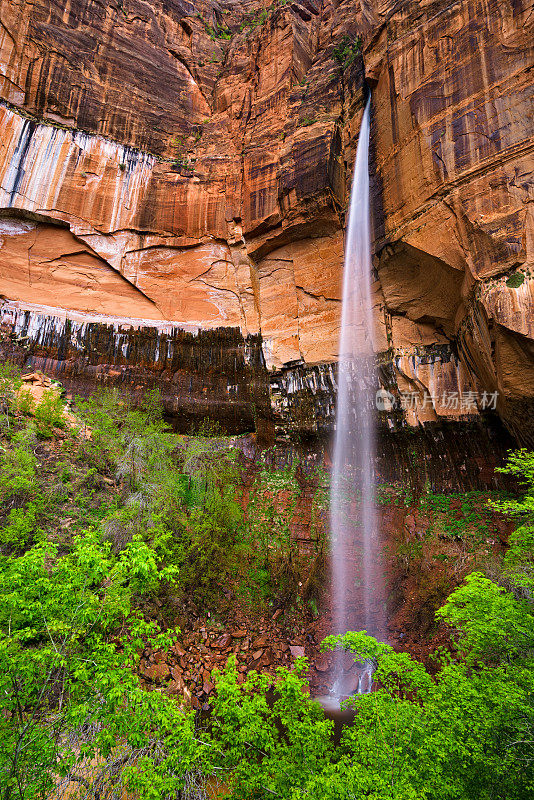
(189, 163)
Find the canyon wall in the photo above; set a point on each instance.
(174, 179)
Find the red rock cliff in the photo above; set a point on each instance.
(188, 163)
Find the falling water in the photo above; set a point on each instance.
(356, 580)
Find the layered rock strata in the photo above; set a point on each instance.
(185, 166)
(201, 374)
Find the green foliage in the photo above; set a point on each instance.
(181, 162)
(211, 543)
(520, 464)
(178, 493)
(128, 441)
(464, 733)
(269, 749)
(72, 709)
(519, 559)
(25, 403)
(18, 469)
(22, 502)
(453, 736)
(21, 524)
(222, 32)
(69, 696)
(219, 32)
(516, 280)
(49, 413)
(143, 511)
(394, 494)
(258, 18)
(207, 484)
(10, 385)
(460, 516)
(493, 625)
(273, 552)
(346, 51)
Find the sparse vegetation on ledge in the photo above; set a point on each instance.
(347, 50)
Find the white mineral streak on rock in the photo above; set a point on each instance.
(36, 159)
(40, 317)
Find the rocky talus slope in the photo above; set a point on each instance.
(173, 184)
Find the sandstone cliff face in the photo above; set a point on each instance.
(454, 143)
(187, 165)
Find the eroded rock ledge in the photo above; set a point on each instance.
(186, 167)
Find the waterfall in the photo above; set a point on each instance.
(357, 594)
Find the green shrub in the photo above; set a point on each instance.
(21, 499)
(21, 524)
(25, 403)
(49, 413)
(18, 469)
(346, 51)
(271, 546)
(515, 281)
(10, 385)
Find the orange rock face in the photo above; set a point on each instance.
(454, 143)
(189, 164)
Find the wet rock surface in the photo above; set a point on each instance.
(189, 164)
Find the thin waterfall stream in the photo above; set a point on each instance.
(357, 581)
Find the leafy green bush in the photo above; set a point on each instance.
(21, 524)
(25, 403)
(515, 281)
(49, 414)
(520, 464)
(71, 702)
(346, 51)
(21, 499)
(10, 385)
(18, 470)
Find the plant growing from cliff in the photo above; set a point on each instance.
(219, 32)
(347, 50)
(515, 281)
(258, 18)
(181, 163)
(223, 33)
